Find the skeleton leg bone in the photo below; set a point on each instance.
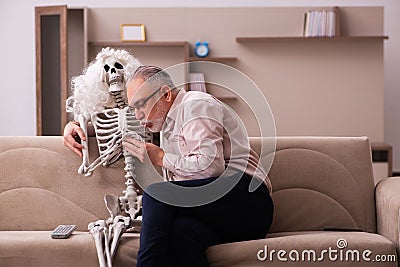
(107, 238)
(96, 231)
(119, 226)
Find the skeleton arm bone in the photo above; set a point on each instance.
(101, 160)
(83, 122)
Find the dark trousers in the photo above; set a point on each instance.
(178, 236)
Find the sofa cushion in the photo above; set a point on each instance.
(37, 248)
(320, 182)
(40, 186)
(342, 246)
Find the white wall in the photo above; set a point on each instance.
(17, 71)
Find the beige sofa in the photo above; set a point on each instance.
(326, 207)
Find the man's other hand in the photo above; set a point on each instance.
(143, 150)
(72, 133)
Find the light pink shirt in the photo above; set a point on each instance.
(203, 138)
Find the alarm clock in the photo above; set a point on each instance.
(201, 49)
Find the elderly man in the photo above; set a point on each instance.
(208, 165)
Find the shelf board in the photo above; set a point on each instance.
(213, 59)
(222, 98)
(128, 44)
(301, 38)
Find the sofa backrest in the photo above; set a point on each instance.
(320, 183)
(40, 186)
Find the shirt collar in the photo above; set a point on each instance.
(171, 115)
(178, 100)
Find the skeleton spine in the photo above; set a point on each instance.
(120, 99)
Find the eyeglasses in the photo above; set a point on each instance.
(142, 102)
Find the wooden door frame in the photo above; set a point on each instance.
(62, 12)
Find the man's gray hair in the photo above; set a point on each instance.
(155, 77)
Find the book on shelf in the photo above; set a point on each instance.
(320, 23)
(197, 82)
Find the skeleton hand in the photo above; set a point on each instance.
(144, 151)
(83, 169)
(72, 132)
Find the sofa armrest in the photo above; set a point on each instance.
(387, 193)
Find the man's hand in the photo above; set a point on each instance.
(71, 132)
(142, 150)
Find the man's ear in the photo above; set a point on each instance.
(167, 93)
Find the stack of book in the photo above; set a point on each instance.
(320, 23)
(197, 82)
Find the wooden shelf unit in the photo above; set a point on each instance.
(185, 45)
(338, 34)
(257, 39)
(118, 44)
(285, 29)
(128, 44)
(212, 59)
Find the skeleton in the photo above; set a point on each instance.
(100, 98)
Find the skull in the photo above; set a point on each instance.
(114, 73)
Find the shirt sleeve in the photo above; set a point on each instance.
(200, 142)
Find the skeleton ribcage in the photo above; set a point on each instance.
(111, 126)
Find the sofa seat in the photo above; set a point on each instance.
(37, 248)
(237, 254)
